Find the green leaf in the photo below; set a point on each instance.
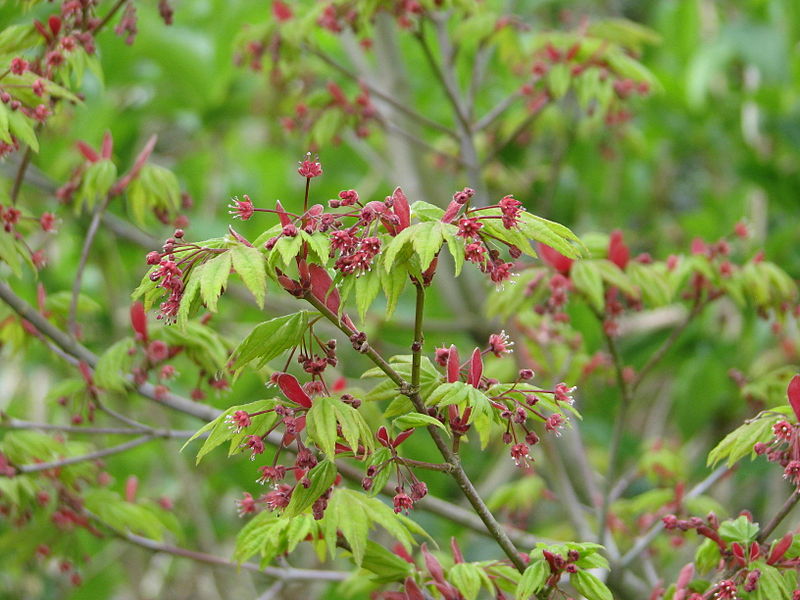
(190, 292)
(707, 556)
(366, 288)
(427, 241)
(321, 425)
(466, 578)
(613, 275)
(653, 283)
(739, 442)
(319, 244)
(219, 430)
(416, 419)
(740, 530)
(345, 513)
(114, 364)
(213, 276)
(397, 244)
(321, 477)
(590, 586)
(386, 565)
(425, 211)
(533, 579)
(587, 280)
(393, 280)
(270, 338)
(21, 126)
(249, 265)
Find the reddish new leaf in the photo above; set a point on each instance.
(453, 365)
(433, 565)
(618, 252)
(475, 368)
(412, 590)
(292, 389)
(88, 152)
(793, 393)
(322, 288)
(554, 258)
(284, 218)
(401, 209)
(383, 437)
(107, 147)
(402, 437)
(139, 321)
(780, 549)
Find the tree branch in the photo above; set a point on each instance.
(287, 574)
(787, 507)
(71, 460)
(643, 542)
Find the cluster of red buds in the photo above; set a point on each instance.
(736, 557)
(402, 501)
(784, 448)
(516, 404)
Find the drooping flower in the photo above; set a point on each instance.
(241, 209)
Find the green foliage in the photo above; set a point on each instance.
(327, 416)
(739, 442)
(269, 339)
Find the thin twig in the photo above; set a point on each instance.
(665, 347)
(7, 422)
(643, 542)
(20, 176)
(496, 112)
(94, 225)
(620, 422)
(494, 528)
(787, 507)
(109, 16)
(71, 460)
(403, 108)
(286, 574)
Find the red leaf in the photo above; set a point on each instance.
(86, 372)
(322, 288)
(618, 252)
(383, 437)
(451, 212)
(780, 549)
(284, 218)
(434, 566)
(554, 258)
(108, 145)
(412, 590)
(55, 24)
(139, 321)
(292, 390)
(475, 368)
(453, 365)
(88, 152)
(401, 552)
(793, 392)
(401, 209)
(131, 486)
(402, 437)
(458, 557)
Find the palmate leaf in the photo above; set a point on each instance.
(739, 442)
(213, 275)
(269, 339)
(532, 579)
(321, 478)
(328, 414)
(249, 265)
(590, 586)
(114, 364)
(587, 280)
(220, 431)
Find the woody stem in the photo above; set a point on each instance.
(407, 388)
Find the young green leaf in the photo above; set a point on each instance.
(249, 264)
